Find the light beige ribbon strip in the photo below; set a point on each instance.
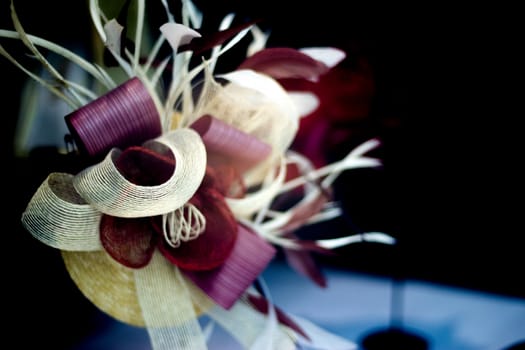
(167, 307)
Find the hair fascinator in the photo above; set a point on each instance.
(190, 184)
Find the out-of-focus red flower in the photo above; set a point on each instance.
(345, 97)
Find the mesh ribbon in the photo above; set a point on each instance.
(167, 307)
(242, 321)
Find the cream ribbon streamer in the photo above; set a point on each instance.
(242, 321)
(167, 307)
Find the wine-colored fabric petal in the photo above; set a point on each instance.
(346, 94)
(313, 138)
(215, 244)
(302, 262)
(250, 256)
(145, 167)
(209, 40)
(131, 242)
(227, 145)
(284, 62)
(261, 304)
(345, 97)
(226, 180)
(125, 116)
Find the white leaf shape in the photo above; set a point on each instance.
(330, 56)
(259, 41)
(306, 102)
(178, 34)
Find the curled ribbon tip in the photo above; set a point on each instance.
(183, 224)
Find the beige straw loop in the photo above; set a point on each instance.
(59, 217)
(104, 187)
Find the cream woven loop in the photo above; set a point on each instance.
(106, 189)
(60, 218)
(183, 224)
(255, 104)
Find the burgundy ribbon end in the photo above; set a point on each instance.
(227, 145)
(123, 117)
(225, 284)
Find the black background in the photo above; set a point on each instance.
(450, 190)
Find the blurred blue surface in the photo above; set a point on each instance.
(354, 305)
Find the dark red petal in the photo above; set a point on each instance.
(346, 94)
(302, 262)
(215, 244)
(313, 135)
(210, 40)
(123, 117)
(226, 145)
(345, 97)
(145, 167)
(295, 84)
(131, 242)
(261, 304)
(227, 181)
(284, 62)
(225, 285)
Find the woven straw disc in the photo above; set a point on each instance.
(106, 283)
(109, 285)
